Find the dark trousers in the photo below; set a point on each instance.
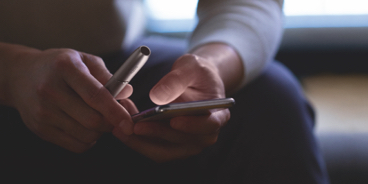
(269, 138)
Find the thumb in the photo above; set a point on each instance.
(170, 87)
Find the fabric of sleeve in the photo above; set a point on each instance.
(252, 27)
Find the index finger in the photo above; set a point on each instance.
(173, 84)
(96, 95)
(97, 68)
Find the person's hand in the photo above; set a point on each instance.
(61, 98)
(192, 78)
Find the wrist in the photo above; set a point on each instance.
(12, 58)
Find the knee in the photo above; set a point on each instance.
(277, 83)
(275, 92)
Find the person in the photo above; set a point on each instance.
(60, 123)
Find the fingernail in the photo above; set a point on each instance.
(125, 127)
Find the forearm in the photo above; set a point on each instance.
(226, 61)
(10, 57)
(252, 27)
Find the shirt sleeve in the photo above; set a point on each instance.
(252, 27)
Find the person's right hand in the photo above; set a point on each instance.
(61, 98)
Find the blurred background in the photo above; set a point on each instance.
(325, 44)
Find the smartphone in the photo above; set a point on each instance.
(166, 112)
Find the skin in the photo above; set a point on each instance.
(60, 95)
(210, 71)
(61, 98)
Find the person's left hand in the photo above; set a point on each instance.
(192, 78)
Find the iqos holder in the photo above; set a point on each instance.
(128, 70)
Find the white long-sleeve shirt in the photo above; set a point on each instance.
(252, 27)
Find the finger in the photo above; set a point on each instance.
(170, 87)
(69, 102)
(157, 151)
(97, 96)
(75, 129)
(129, 106)
(60, 138)
(185, 73)
(96, 67)
(125, 93)
(59, 119)
(206, 124)
(159, 131)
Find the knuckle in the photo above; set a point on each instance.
(185, 60)
(44, 90)
(205, 69)
(176, 74)
(191, 57)
(200, 65)
(68, 59)
(63, 60)
(92, 59)
(99, 60)
(194, 59)
(93, 95)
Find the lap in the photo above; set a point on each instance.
(269, 138)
